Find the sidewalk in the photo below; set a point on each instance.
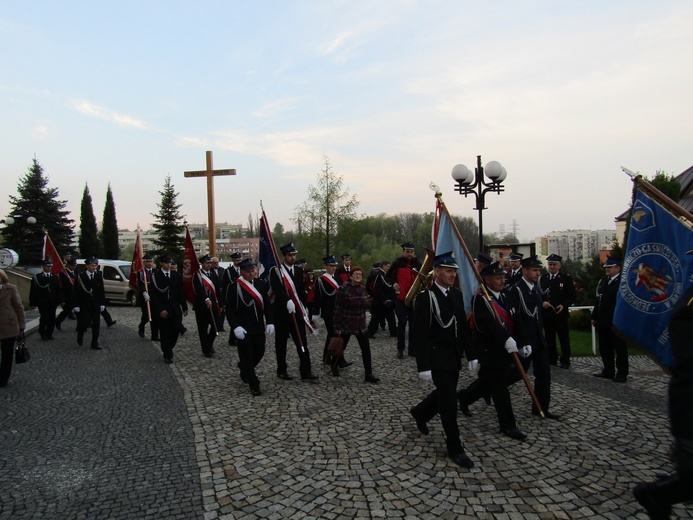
(118, 433)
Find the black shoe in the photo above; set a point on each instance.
(155, 338)
(461, 459)
(617, 379)
(80, 339)
(310, 377)
(58, 326)
(644, 494)
(514, 433)
(255, 391)
(371, 336)
(208, 354)
(140, 331)
(44, 337)
(343, 363)
(548, 415)
(112, 323)
(420, 425)
(603, 375)
(400, 354)
(168, 359)
(565, 366)
(487, 400)
(465, 409)
(335, 371)
(370, 378)
(96, 347)
(183, 331)
(49, 338)
(285, 376)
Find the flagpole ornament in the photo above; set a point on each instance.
(630, 173)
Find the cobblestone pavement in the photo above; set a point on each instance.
(118, 433)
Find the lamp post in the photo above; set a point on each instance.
(473, 183)
(17, 234)
(12, 219)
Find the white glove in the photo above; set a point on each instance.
(510, 345)
(426, 375)
(75, 309)
(291, 307)
(270, 329)
(473, 366)
(102, 308)
(239, 332)
(525, 351)
(145, 295)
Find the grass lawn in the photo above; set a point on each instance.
(581, 345)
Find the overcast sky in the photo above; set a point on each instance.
(395, 93)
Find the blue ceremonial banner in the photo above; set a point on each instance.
(447, 240)
(266, 255)
(655, 271)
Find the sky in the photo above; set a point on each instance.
(393, 93)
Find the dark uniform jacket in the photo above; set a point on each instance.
(559, 291)
(243, 310)
(67, 281)
(603, 312)
(228, 277)
(511, 278)
(202, 292)
(488, 334)
(281, 296)
(527, 315)
(167, 295)
(89, 294)
(45, 290)
(439, 330)
(325, 294)
(384, 291)
(681, 383)
(141, 275)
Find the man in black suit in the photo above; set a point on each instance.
(168, 305)
(67, 280)
(144, 278)
(525, 299)
(247, 309)
(383, 304)
(439, 331)
(492, 329)
(558, 292)
(45, 294)
(515, 274)
(206, 306)
(287, 302)
(342, 272)
(90, 302)
(228, 277)
(602, 320)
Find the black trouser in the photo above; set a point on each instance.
(365, 345)
(7, 346)
(66, 312)
(86, 317)
(169, 330)
(46, 319)
(610, 344)
(145, 319)
(542, 375)
(404, 315)
(107, 317)
(284, 328)
(205, 329)
(251, 350)
(558, 327)
(379, 313)
(493, 381)
(443, 401)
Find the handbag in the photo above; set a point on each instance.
(335, 348)
(21, 353)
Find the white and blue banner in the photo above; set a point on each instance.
(655, 272)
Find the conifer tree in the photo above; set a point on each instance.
(109, 228)
(35, 199)
(168, 224)
(89, 244)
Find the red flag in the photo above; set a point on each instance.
(136, 265)
(190, 267)
(49, 251)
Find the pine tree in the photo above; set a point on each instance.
(109, 228)
(35, 199)
(89, 244)
(168, 224)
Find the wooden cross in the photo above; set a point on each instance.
(210, 173)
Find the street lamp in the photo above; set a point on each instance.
(11, 220)
(469, 182)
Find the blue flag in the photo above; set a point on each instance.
(266, 256)
(447, 241)
(655, 273)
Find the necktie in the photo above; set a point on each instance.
(91, 276)
(167, 275)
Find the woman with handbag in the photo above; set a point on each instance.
(350, 317)
(12, 323)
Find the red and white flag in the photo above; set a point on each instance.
(136, 266)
